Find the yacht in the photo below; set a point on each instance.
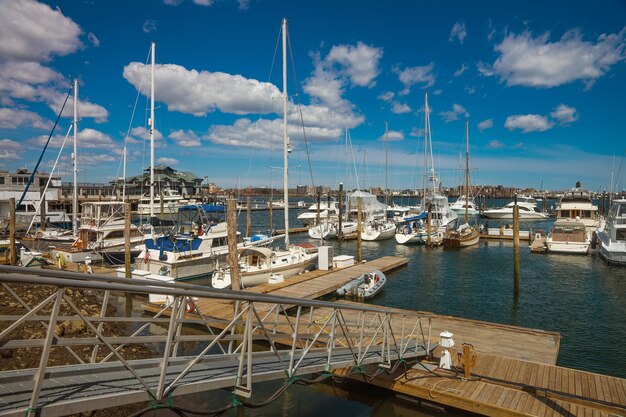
(527, 210)
(612, 236)
(309, 217)
(459, 206)
(568, 236)
(576, 204)
(100, 235)
(168, 202)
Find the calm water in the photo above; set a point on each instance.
(579, 296)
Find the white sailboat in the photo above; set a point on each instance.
(257, 266)
(414, 229)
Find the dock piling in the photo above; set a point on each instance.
(516, 267)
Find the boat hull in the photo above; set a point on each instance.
(376, 234)
(581, 248)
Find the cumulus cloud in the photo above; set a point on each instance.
(149, 26)
(392, 135)
(386, 96)
(536, 62)
(10, 149)
(415, 75)
(400, 108)
(167, 161)
(141, 133)
(32, 31)
(344, 64)
(201, 92)
(13, 118)
(485, 124)
(564, 114)
(87, 139)
(185, 138)
(458, 32)
(453, 114)
(528, 123)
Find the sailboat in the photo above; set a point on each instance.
(414, 229)
(465, 235)
(259, 265)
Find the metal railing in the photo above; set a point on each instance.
(290, 336)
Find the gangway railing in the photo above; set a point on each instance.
(252, 337)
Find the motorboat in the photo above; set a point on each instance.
(326, 210)
(460, 204)
(576, 204)
(168, 202)
(612, 235)
(364, 286)
(100, 235)
(568, 236)
(258, 264)
(527, 210)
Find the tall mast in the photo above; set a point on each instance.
(74, 161)
(285, 138)
(466, 171)
(425, 150)
(124, 174)
(386, 161)
(151, 123)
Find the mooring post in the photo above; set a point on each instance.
(359, 229)
(235, 282)
(516, 269)
(12, 248)
(127, 211)
(248, 218)
(340, 231)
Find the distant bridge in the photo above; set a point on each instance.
(288, 342)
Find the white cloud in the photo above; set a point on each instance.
(13, 118)
(87, 139)
(185, 138)
(393, 135)
(149, 26)
(399, 108)
(386, 96)
(528, 123)
(172, 2)
(495, 144)
(141, 133)
(243, 4)
(461, 70)
(201, 92)
(203, 2)
(564, 114)
(167, 161)
(32, 31)
(357, 65)
(360, 62)
(485, 70)
(415, 75)
(93, 39)
(10, 149)
(536, 62)
(485, 124)
(96, 159)
(453, 114)
(458, 32)
(417, 132)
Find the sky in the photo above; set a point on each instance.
(542, 85)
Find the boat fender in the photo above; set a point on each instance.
(188, 307)
(594, 240)
(404, 231)
(440, 235)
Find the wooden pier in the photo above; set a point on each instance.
(515, 374)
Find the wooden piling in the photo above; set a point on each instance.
(12, 247)
(359, 229)
(232, 244)
(248, 216)
(516, 266)
(127, 214)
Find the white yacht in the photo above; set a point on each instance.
(309, 217)
(612, 236)
(459, 206)
(576, 204)
(527, 210)
(568, 236)
(101, 235)
(169, 199)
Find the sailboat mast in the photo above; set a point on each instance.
(285, 138)
(386, 162)
(466, 171)
(75, 165)
(151, 123)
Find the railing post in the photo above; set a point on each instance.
(294, 341)
(171, 331)
(45, 354)
(331, 341)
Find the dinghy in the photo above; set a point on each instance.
(364, 286)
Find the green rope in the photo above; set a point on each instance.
(169, 402)
(358, 369)
(291, 380)
(29, 410)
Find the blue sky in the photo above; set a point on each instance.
(543, 85)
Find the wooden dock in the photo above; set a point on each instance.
(515, 375)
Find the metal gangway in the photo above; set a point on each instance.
(258, 337)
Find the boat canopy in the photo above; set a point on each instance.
(266, 252)
(420, 216)
(207, 208)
